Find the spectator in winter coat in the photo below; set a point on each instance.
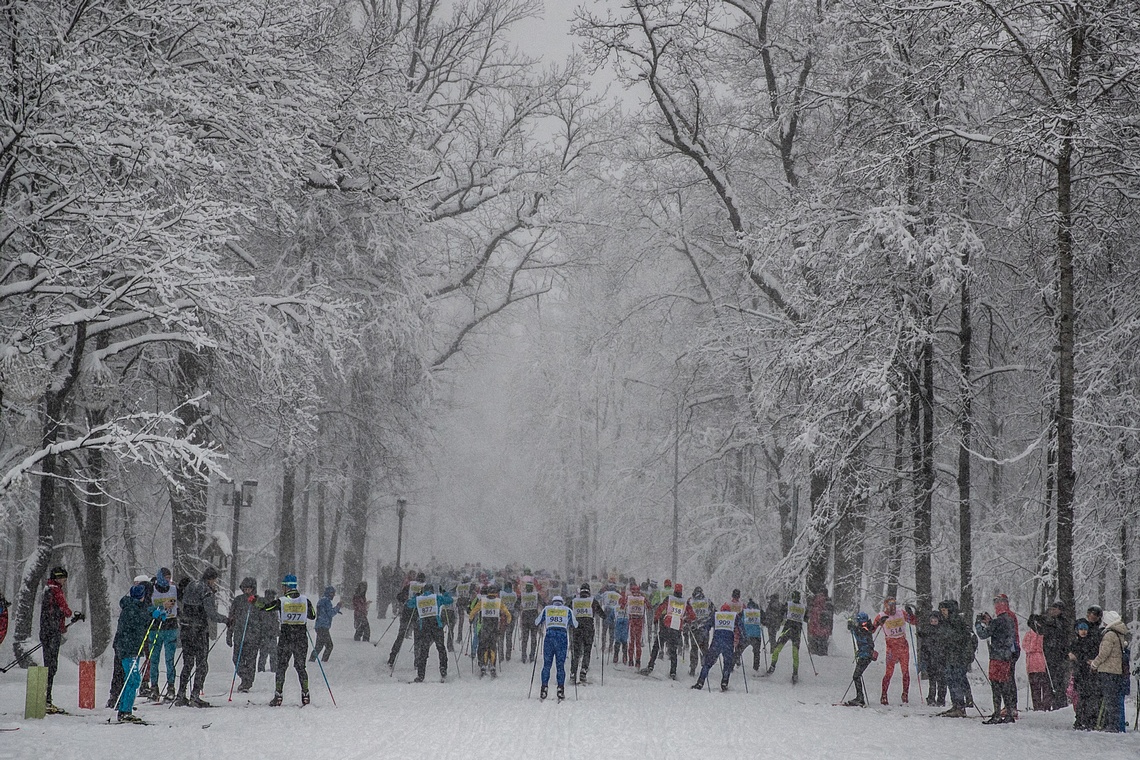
(1057, 632)
(269, 627)
(955, 644)
(1033, 645)
(326, 610)
(1111, 673)
(821, 618)
(242, 635)
(1083, 650)
(135, 616)
(1001, 630)
(863, 633)
(3, 618)
(361, 630)
(931, 660)
(54, 614)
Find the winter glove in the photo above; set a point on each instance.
(158, 614)
(78, 617)
(909, 609)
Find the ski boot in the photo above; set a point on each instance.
(197, 701)
(953, 712)
(993, 720)
(418, 679)
(724, 685)
(155, 696)
(181, 701)
(482, 671)
(771, 669)
(561, 693)
(673, 675)
(276, 701)
(905, 698)
(542, 693)
(494, 672)
(304, 698)
(698, 685)
(883, 700)
(50, 709)
(111, 702)
(854, 703)
(126, 717)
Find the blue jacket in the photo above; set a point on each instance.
(443, 599)
(325, 612)
(864, 639)
(753, 630)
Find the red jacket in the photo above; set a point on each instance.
(54, 605)
(662, 613)
(3, 623)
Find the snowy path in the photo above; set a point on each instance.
(630, 716)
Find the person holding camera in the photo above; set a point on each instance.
(54, 614)
(1001, 630)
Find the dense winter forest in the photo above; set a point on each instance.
(798, 292)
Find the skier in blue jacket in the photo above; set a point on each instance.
(325, 612)
(863, 635)
(727, 630)
(558, 619)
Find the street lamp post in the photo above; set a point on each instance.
(401, 510)
(244, 499)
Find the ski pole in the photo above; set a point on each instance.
(376, 643)
(810, 659)
(321, 666)
(914, 647)
(241, 649)
(533, 669)
(20, 658)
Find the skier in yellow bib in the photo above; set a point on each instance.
(294, 611)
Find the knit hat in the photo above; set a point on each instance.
(1001, 603)
(1111, 618)
(138, 591)
(1082, 626)
(289, 580)
(556, 600)
(678, 590)
(57, 573)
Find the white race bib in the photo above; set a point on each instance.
(725, 621)
(583, 608)
(427, 605)
(676, 613)
(796, 612)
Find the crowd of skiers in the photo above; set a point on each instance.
(1084, 662)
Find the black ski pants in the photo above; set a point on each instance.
(51, 647)
(581, 645)
(195, 647)
(529, 637)
(323, 644)
(404, 624)
(427, 635)
(293, 641)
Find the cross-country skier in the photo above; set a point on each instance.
(294, 610)
(791, 632)
(164, 635)
(727, 629)
(488, 610)
(412, 588)
(464, 593)
(863, 630)
(620, 616)
(269, 626)
(242, 635)
(510, 600)
(558, 618)
(636, 605)
(135, 617)
(893, 621)
(326, 610)
(361, 630)
(428, 624)
(696, 633)
(54, 614)
(753, 632)
(529, 603)
(198, 610)
(671, 616)
(586, 610)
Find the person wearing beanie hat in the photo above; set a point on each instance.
(587, 609)
(242, 635)
(1111, 673)
(893, 620)
(1005, 647)
(793, 632)
(671, 616)
(164, 633)
(294, 611)
(530, 601)
(54, 614)
(326, 610)
(636, 607)
(490, 612)
(727, 629)
(198, 608)
(1084, 649)
(429, 608)
(559, 619)
(752, 618)
(135, 619)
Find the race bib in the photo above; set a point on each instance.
(427, 605)
(293, 611)
(583, 608)
(415, 588)
(620, 614)
(557, 617)
(636, 605)
(491, 608)
(612, 598)
(463, 590)
(725, 621)
(796, 612)
(509, 599)
(752, 617)
(530, 600)
(701, 607)
(676, 613)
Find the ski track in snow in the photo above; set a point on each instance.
(630, 716)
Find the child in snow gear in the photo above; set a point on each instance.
(671, 615)
(294, 610)
(696, 633)
(1083, 650)
(529, 604)
(893, 621)
(239, 635)
(791, 632)
(558, 619)
(1033, 644)
(429, 607)
(727, 629)
(932, 660)
(488, 610)
(586, 610)
(54, 614)
(325, 612)
(1001, 630)
(361, 630)
(198, 610)
(136, 617)
(753, 618)
(636, 606)
(863, 633)
(164, 634)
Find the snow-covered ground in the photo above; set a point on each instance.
(630, 716)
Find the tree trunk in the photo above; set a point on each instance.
(356, 528)
(287, 537)
(896, 523)
(816, 576)
(189, 491)
(303, 535)
(91, 522)
(322, 534)
(965, 428)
